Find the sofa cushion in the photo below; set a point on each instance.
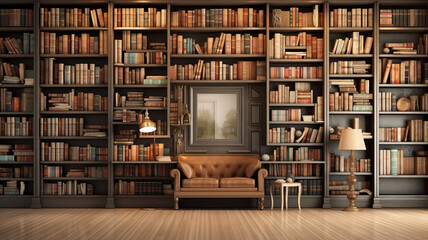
(200, 183)
(252, 168)
(237, 182)
(186, 169)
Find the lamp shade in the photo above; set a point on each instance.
(147, 125)
(352, 139)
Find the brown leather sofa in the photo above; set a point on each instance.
(219, 176)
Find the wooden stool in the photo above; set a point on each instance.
(285, 185)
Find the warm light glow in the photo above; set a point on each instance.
(147, 126)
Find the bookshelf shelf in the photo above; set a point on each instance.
(217, 81)
(403, 176)
(347, 173)
(294, 122)
(140, 29)
(145, 51)
(142, 108)
(73, 138)
(71, 29)
(144, 197)
(73, 86)
(297, 144)
(16, 113)
(151, 136)
(404, 113)
(16, 29)
(74, 178)
(291, 104)
(139, 65)
(297, 178)
(143, 178)
(15, 86)
(218, 56)
(16, 137)
(15, 163)
(16, 55)
(73, 55)
(73, 162)
(403, 143)
(297, 80)
(144, 162)
(217, 29)
(403, 55)
(296, 29)
(383, 85)
(350, 113)
(292, 162)
(351, 55)
(17, 179)
(140, 86)
(351, 75)
(125, 123)
(74, 112)
(296, 60)
(403, 29)
(73, 196)
(350, 29)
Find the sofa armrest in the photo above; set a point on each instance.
(261, 174)
(175, 173)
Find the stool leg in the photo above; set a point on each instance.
(298, 197)
(271, 197)
(286, 198)
(282, 198)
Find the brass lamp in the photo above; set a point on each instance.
(147, 125)
(352, 139)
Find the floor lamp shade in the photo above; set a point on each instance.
(352, 139)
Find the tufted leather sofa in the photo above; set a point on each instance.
(219, 176)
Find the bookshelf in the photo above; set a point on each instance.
(388, 190)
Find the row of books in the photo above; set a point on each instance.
(16, 126)
(73, 17)
(125, 115)
(301, 94)
(13, 45)
(61, 151)
(402, 72)
(309, 187)
(131, 100)
(139, 17)
(348, 85)
(393, 162)
(16, 153)
(284, 153)
(16, 172)
(90, 172)
(135, 153)
(342, 187)
(283, 135)
(227, 17)
(144, 58)
(72, 102)
(408, 48)
(283, 115)
(388, 102)
(12, 188)
(282, 46)
(11, 73)
(345, 101)
(16, 17)
(142, 170)
(227, 43)
(132, 76)
(354, 45)
(79, 73)
(71, 127)
(138, 188)
(403, 17)
(81, 43)
(71, 187)
(295, 17)
(415, 131)
(338, 163)
(9, 103)
(349, 67)
(217, 70)
(295, 72)
(136, 57)
(355, 17)
(299, 170)
(133, 41)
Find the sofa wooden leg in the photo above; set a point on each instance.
(262, 201)
(176, 203)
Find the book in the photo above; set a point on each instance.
(139, 17)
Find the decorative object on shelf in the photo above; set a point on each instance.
(265, 157)
(276, 18)
(331, 130)
(290, 177)
(403, 104)
(352, 139)
(280, 180)
(185, 118)
(298, 133)
(386, 50)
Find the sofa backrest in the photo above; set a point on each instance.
(220, 165)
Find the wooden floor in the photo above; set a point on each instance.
(212, 224)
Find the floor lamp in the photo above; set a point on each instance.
(352, 139)
(148, 126)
